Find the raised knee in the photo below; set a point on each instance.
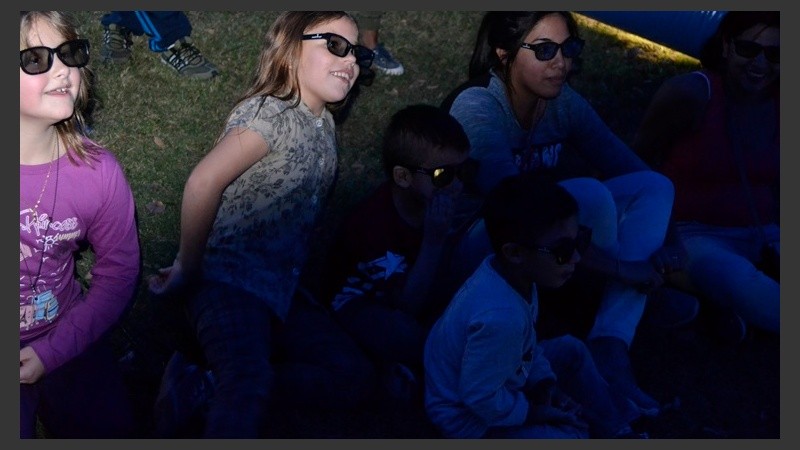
(659, 183)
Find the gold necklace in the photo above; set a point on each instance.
(44, 187)
(46, 179)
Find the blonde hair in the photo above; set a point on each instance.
(276, 72)
(70, 130)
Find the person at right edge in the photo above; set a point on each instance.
(715, 133)
(521, 115)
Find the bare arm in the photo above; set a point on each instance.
(231, 157)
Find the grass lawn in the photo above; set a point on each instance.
(160, 126)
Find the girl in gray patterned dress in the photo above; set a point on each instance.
(249, 208)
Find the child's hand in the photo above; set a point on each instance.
(641, 274)
(439, 216)
(31, 368)
(669, 258)
(169, 279)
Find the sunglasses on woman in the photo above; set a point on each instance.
(564, 250)
(442, 176)
(36, 60)
(545, 51)
(340, 47)
(750, 49)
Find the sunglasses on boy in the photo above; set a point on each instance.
(340, 47)
(750, 49)
(564, 250)
(442, 176)
(545, 51)
(36, 60)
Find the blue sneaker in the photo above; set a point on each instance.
(385, 62)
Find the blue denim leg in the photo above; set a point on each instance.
(163, 27)
(721, 266)
(234, 330)
(644, 203)
(125, 19)
(629, 215)
(605, 411)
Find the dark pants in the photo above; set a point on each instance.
(259, 361)
(386, 334)
(84, 398)
(163, 27)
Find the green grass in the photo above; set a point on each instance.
(160, 125)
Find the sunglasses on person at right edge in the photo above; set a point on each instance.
(750, 49)
(545, 51)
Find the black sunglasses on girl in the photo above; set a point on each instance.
(750, 49)
(340, 47)
(36, 60)
(444, 175)
(564, 250)
(545, 51)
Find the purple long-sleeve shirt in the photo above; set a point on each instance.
(80, 204)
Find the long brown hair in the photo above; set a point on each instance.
(276, 75)
(507, 30)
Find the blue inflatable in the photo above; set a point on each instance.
(683, 31)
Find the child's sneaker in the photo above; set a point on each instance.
(385, 62)
(117, 44)
(187, 60)
(183, 398)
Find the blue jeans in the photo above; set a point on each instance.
(721, 266)
(628, 214)
(85, 398)
(258, 361)
(605, 411)
(163, 27)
